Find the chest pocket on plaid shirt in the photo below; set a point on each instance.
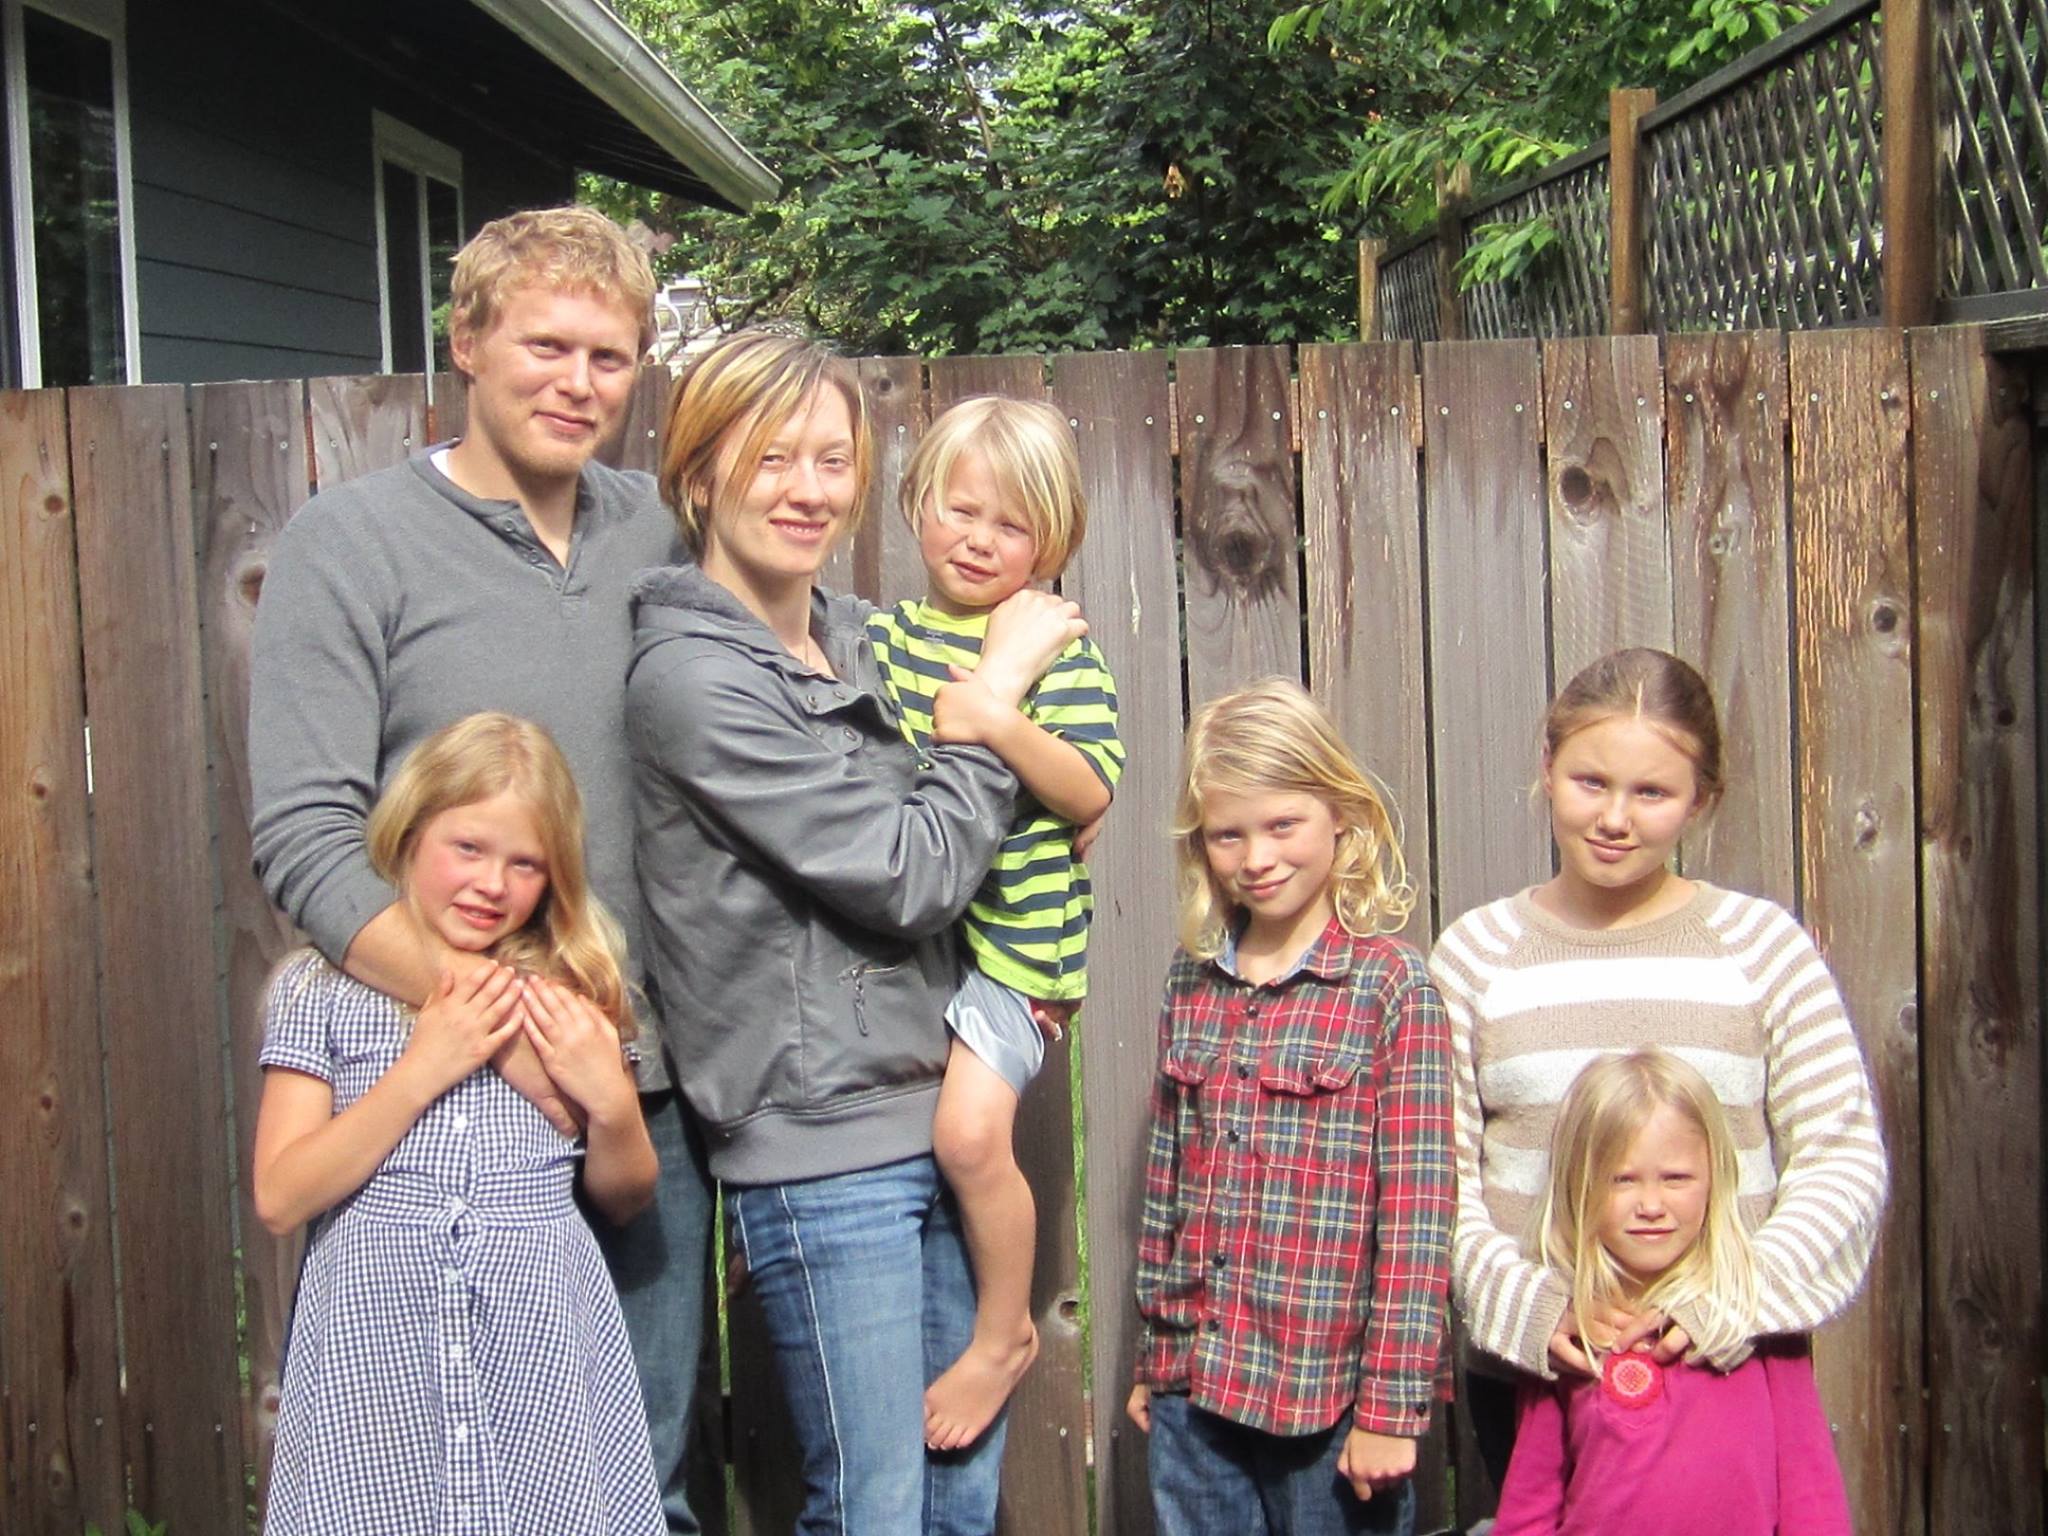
(1190, 1070)
(1314, 1107)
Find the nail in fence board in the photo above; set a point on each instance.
(1610, 561)
(364, 422)
(1045, 1475)
(1973, 490)
(1853, 618)
(636, 442)
(1239, 537)
(1124, 581)
(1725, 452)
(1362, 514)
(249, 475)
(132, 480)
(1483, 491)
(62, 1408)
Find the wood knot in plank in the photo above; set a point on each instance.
(1866, 827)
(249, 580)
(39, 782)
(54, 505)
(1243, 548)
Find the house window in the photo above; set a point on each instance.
(71, 252)
(419, 230)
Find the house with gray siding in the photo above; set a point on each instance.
(200, 190)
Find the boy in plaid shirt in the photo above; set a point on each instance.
(1294, 1256)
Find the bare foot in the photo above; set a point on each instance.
(972, 1390)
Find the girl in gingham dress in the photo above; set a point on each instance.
(457, 1359)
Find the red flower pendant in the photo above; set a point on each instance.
(1633, 1380)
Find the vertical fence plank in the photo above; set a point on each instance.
(1610, 559)
(131, 476)
(1980, 927)
(1853, 604)
(1725, 413)
(448, 416)
(1484, 527)
(1045, 1473)
(57, 1342)
(365, 422)
(882, 564)
(635, 442)
(1237, 518)
(249, 476)
(1362, 514)
(1124, 581)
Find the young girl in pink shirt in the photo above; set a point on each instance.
(1641, 1214)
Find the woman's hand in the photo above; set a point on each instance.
(578, 1046)
(1371, 1462)
(461, 1026)
(1138, 1407)
(1026, 633)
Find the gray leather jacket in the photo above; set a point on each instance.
(801, 875)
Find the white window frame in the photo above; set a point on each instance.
(107, 19)
(395, 143)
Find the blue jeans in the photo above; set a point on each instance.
(659, 1261)
(1212, 1477)
(864, 1284)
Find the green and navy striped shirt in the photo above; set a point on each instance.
(1027, 926)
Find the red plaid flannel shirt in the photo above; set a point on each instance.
(1294, 1257)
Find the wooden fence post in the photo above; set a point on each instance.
(1911, 281)
(1627, 311)
(1453, 192)
(1369, 253)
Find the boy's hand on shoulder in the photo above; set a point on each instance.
(1370, 1462)
(462, 1024)
(1026, 633)
(965, 713)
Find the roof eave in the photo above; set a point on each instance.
(603, 54)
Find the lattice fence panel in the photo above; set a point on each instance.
(1565, 291)
(1993, 143)
(1408, 309)
(1764, 208)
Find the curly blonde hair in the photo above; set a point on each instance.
(570, 938)
(1603, 1111)
(1272, 738)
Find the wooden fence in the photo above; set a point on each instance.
(1837, 527)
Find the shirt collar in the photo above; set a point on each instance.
(1325, 958)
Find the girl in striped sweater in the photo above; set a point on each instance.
(1617, 952)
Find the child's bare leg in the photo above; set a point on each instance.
(971, 1137)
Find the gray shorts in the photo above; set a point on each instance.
(994, 1022)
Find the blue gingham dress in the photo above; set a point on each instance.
(457, 1363)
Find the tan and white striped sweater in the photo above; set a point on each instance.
(1729, 982)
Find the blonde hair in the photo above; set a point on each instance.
(741, 391)
(1655, 687)
(1030, 453)
(570, 938)
(1273, 738)
(1603, 1112)
(576, 250)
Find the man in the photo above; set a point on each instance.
(490, 574)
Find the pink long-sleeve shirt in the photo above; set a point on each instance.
(1689, 1453)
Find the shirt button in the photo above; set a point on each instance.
(462, 1432)
(1214, 1327)
(1231, 1136)
(1217, 1261)
(1243, 1070)
(461, 1122)
(851, 735)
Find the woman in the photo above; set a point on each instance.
(802, 870)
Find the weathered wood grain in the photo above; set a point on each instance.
(61, 1415)
(1725, 457)
(1124, 582)
(1045, 1473)
(1483, 490)
(364, 422)
(1362, 515)
(1610, 558)
(1238, 526)
(1852, 583)
(1973, 486)
(249, 475)
(881, 563)
(635, 443)
(132, 483)
(448, 410)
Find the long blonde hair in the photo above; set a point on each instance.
(570, 938)
(1603, 1111)
(1272, 738)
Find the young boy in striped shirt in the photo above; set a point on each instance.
(993, 493)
